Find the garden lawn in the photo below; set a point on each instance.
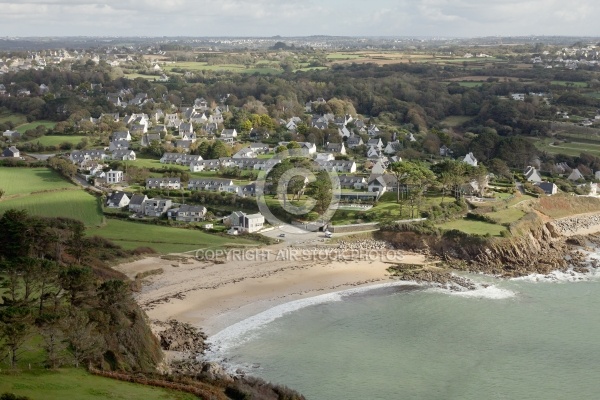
(473, 227)
(71, 383)
(144, 162)
(18, 181)
(506, 216)
(74, 203)
(164, 239)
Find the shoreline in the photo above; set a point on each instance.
(216, 294)
(227, 296)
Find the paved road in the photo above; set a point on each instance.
(41, 157)
(296, 236)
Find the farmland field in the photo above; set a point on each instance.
(55, 140)
(32, 125)
(75, 203)
(18, 181)
(130, 234)
(78, 384)
(16, 119)
(567, 83)
(148, 77)
(570, 149)
(203, 66)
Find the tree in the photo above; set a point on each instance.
(77, 281)
(15, 329)
(321, 190)
(84, 343)
(54, 340)
(219, 149)
(499, 167)
(399, 170)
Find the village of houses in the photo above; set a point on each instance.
(363, 179)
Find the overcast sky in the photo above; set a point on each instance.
(298, 18)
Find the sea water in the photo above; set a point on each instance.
(531, 338)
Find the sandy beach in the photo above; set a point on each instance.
(220, 290)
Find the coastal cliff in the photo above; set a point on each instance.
(534, 246)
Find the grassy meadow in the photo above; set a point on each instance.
(56, 140)
(163, 239)
(32, 125)
(76, 204)
(473, 227)
(16, 119)
(42, 191)
(71, 383)
(18, 181)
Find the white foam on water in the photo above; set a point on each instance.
(491, 292)
(482, 291)
(562, 277)
(246, 329)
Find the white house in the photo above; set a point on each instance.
(117, 200)
(340, 166)
(163, 183)
(11, 152)
(575, 175)
(338, 148)
(470, 159)
(245, 223)
(392, 147)
(532, 175)
(113, 177)
(548, 187)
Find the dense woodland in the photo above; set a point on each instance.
(57, 285)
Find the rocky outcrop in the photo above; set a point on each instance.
(182, 337)
(533, 247)
(436, 276)
(572, 225)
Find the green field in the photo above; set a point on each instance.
(469, 84)
(506, 216)
(473, 227)
(75, 203)
(568, 83)
(203, 66)
(71, 383)
(56, 140)
(143, 76)
(155, 163)
(570, 149)
(32, 125)
(386, 209)
(342, 56)
(18, 181)
(163, 239)
(455, 120)
(16, 119)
